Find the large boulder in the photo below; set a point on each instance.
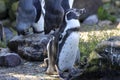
(30, 47)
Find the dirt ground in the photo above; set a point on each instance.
(26, 71)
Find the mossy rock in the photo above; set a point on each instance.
(95, 62)
(105, 56)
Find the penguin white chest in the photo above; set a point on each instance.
(68, 52)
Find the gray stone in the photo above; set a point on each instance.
(91, 20)
(30, 47)
(8, 59)
(6, 33)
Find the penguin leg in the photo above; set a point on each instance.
(46, 62)
(51, 50)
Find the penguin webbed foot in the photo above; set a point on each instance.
(74, 73)
(71, 74)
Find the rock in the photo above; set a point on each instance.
(91, 20)
(104, 62)
(6, 33)
(110, 50)
(3, 10)
(8, 59)
(30, 47)
(90, 6)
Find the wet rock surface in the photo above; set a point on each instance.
(30, 47)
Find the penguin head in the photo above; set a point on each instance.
(74, 13)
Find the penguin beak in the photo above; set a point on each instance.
(82, 11)
(79, 12)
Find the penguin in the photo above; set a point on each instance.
(54, 14)
(30, 15)
(52, 49)
(63, 48)
(69, 44)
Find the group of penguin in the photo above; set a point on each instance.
(46, 16)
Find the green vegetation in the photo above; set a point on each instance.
(103, 15)
(90, 39)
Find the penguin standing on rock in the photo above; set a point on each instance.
(30, 15)
(69, 45)
(67, 52)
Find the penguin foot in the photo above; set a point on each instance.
(74, 73)
(50, 70)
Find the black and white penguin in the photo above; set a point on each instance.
(63, 48)
(54, 14)
(69, 44)
(30, 14)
